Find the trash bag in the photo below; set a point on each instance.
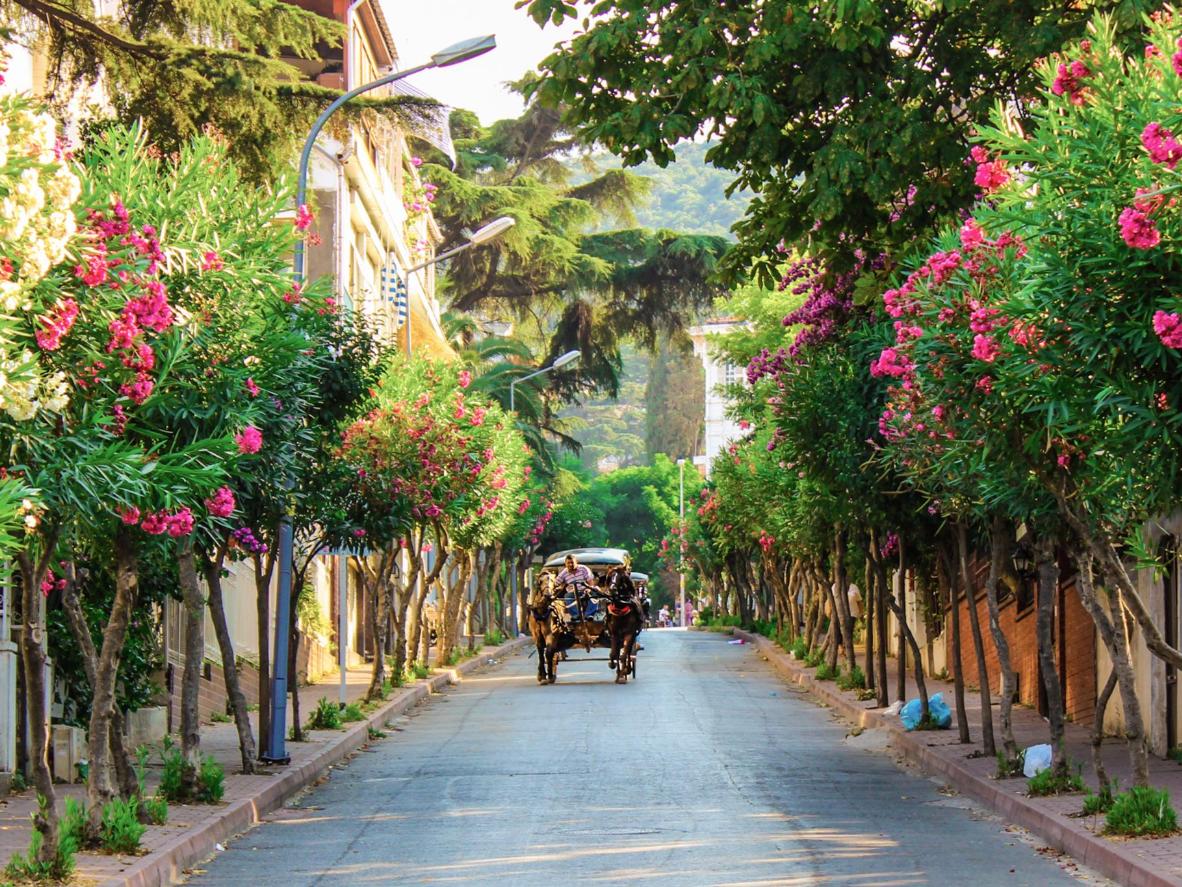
(939, 711)
(1036, 759)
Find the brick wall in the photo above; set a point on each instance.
(1019, 629)
(212, 696)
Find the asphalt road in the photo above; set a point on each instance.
(705, 770)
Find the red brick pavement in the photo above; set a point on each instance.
(1150, 862)
(192, 830)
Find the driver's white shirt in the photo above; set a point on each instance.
(580, 574)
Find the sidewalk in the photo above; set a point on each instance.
(1135, 862)
(192, 831)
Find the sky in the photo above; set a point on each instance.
(421, 27)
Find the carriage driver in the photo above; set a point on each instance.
(577, 577)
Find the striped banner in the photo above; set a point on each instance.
(394, 292)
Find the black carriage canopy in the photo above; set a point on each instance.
(591, 557)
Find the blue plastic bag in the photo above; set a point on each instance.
(940, 713)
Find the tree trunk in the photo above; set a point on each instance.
(377, 578)
(1048, 585)
(1112, 633)
(1104, 783)
(949, 576)
(987, 742)
(450, 611)
(901, 637)
(841, 597)
(293, 680)
(125, 777)
(217, 610)
(998, 555)
(33, 660)
(868, 597)
(106, 675)
(264, 566)
(881, 590)
(920, 683)
(194, 605)
(1110, 561)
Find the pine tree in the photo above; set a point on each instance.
(185, 65)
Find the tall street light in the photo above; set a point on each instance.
(486, 234)
(276, 748)
(681, 535)
(559, 362)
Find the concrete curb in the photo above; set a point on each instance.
(167, 864)
(1103, 856)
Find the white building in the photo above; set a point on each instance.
(720, 429)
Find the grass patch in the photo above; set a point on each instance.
(1008, 768)
(375, 733)
(208, 783)
(418, 671)
(854, 679)
(325, 716)
(25, 867)
(121, 829)
(1141, 811)
(18, 783)
(1048, 782)
(220, 718)
(799, 649)
(1097, 804)
(352, 713)
(825, 673)
(1175, 754)
(493, 638)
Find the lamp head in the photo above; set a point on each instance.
(563, 360)
(492, 230)
(464, 50)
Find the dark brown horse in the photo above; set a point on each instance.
(547, 627)
(625, 618)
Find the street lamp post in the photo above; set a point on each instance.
(681, 536)
(559, 362)
(276, 752)
(482, 235)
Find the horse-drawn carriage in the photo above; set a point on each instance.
(595, 604)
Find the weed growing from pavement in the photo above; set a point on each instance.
(1049, 782)
(1007, 768)
(1141, 811)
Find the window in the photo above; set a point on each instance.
(733, 374)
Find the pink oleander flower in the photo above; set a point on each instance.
(1176, 59)
(1138, 230)
(985, 348)
(1069, 81)
(211, 261)
(249, 440)
(140, 389)
(155, 523)
(1161, 145)
(891, 363)
(130, 516)
(180, 523)
(1168, 327)
(221, 503)
(433, 511)
(416, 162)
(985, 384)
(56, 324)
(524, 506)
(971, 235)
(304, 218)
(991, 174)
(478, 414)
(94, 268)
(252, 387)
(465, 378)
